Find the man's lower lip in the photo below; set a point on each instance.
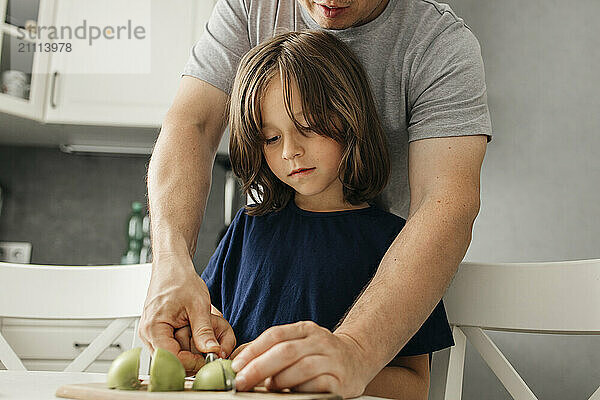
(331, 12)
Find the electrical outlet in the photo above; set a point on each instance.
(15, 252)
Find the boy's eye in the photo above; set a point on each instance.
(271, 140)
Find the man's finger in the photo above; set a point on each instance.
(202, 332)
(146, 343)
(161, 336)
(191, 362)
(224, 334)
(183, 336)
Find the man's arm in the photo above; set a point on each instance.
(179, 180)
(180, 170)
(417, 269)
(410, 281)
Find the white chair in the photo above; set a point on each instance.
(543, 298)
(78, 293)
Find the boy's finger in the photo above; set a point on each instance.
(268, 339)
(238, 350)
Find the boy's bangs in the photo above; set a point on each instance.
(320, 116)
(253, 116)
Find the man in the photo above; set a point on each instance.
(427, 77)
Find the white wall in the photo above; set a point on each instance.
(541, 175)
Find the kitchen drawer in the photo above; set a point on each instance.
(59, 339)
(60, 365)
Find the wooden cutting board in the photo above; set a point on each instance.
(99, 391)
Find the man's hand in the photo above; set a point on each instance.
(303, 357)
(178, 297)
(224, 334)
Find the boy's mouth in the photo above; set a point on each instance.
(300, 170)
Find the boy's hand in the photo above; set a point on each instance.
(224, 334)
(239, 350)
(304, 357)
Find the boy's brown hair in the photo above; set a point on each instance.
(336, 102)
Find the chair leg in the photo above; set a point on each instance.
(145, 355)
(439, 374)
(9, 358)
(596, 395)
(145, 361)
(456, 365)
(510, 378)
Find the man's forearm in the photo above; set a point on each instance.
(179, 180)
(411, 279)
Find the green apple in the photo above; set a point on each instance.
(166, 372)
(216, 375)
(124, 370)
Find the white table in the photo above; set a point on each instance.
(34, 385)
(41, 385)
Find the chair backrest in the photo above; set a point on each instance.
(543, 297)
(75, 292)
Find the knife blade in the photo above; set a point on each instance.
(228, 378)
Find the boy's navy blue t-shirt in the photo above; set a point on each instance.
(296, 265)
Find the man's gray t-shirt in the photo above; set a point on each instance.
(424, 66)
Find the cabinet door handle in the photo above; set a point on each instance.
(80, 345)
(53, 91)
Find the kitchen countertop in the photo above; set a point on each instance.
(41, 385)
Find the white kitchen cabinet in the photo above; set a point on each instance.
(140, 97)
(119, 82)
(18, 59)
(52, 344)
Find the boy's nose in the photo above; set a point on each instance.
(289, 156)
(291, 149)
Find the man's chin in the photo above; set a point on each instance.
(329, 24)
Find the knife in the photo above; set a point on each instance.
(227, 377)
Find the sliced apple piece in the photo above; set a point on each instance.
(166, 372)
(124, 371)
(216, 375)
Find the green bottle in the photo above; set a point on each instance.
(146, 251)
(135, 234)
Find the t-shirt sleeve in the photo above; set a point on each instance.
(447, 92)
(216, 55)
(213, 273)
